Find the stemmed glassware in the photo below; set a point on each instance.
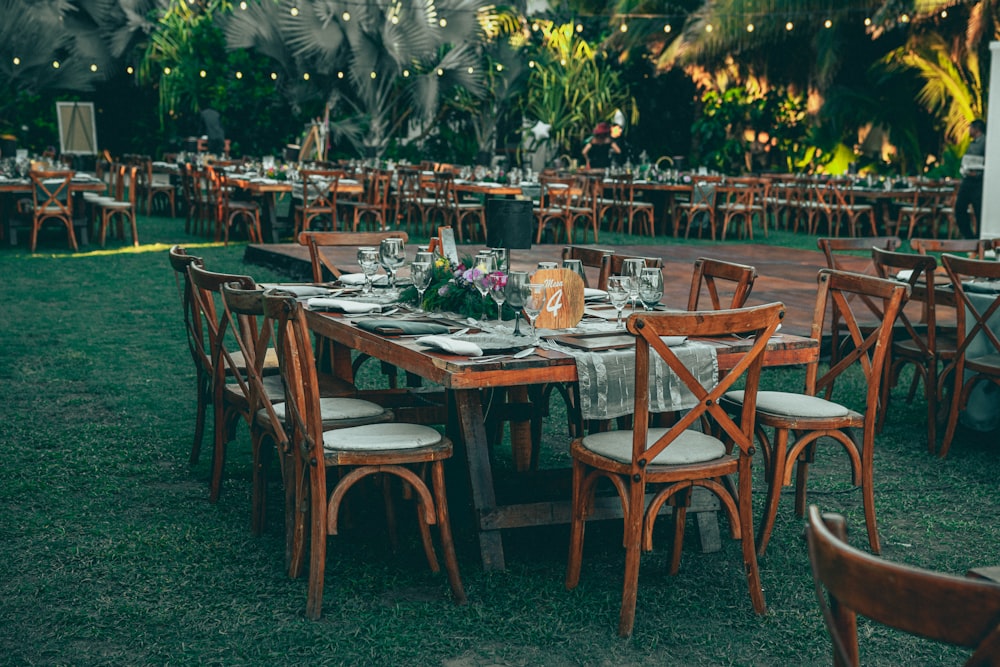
(368, 260)
(420, 273)
(392, 253)
(650, 287)
(618, 292)
(534, 301)
(498, 293)
(517, 282)
(484, 264)
(631, 269)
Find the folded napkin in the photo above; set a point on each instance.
(343, 305)
(674, 341)
(453, 345)
(904, 275)
(591, 294)
(299, 290)
(359, 279)
(401, 327)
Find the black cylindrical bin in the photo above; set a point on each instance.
(509, 223)
(8, 145)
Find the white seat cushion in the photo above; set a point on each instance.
(337, 409)
(689, 447)
(788, 404)
(381, 437)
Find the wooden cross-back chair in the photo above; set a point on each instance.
(327, 464)
(812, 415)
(120, 206)
(323, 266)
(954, 610)
(976, 247)
(556, 197)
(319, 198)
(978, 349)
(669, 462)
(179, 262)
(710, 273)
(51, 200)
(919, 342)
(589, 257)
(373, 208)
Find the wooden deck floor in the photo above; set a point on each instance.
(784, 274)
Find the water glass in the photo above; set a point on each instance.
(501, 255)
(631, 268)
(534, 302)
(618, 293)
(576, 266)
(485, 264)
(392, 253)
(420, 273)
(650, 287)
(368, 260)
(517, 282)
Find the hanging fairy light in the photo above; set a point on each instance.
(203, 74)
(305, 76)
(294, 11)
(346, 16)
(667, 28)
(750, 27)
(531, 64)
(274, 76)
(499, 67)
(579, 27)
(340, 75)
(828, 24)
(166, 70)
(93, 67)
(373, 74)
(709, 28)
(128, 70)
(623, 27)
(243, 5)
(944, 13)
(904, 18)
(406, 73)
(17, 61)
(440, 72)
(471, 70)
(868, 21)
(443, 22)
(239, 75)
(789, 26)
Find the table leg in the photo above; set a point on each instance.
(269, 218)
(468, 413)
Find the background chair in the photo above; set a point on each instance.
(373, 208)
(976, 248)
(323, 268)
(810, 416)
(330, 463)
(978, 349)
(919, 343)
(669, 462)
(710, 274)
(120, 207)
(955, 610)
(319, 199)
(51, 200)
(179, 262)
(612, 266)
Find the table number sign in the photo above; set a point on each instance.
(446, 237)
(563, 298)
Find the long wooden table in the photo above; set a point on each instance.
(23, 186)
(465, 379)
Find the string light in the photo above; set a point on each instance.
(239, 75)
(471, 70)
(167, 70)
(443, 23)
(708, 27)
(406, 73)
(274, 76)
(93, 67)
(868, 21)
(305, 76)
(499, 67)
(579, 27)
(55, 64)
(905, 18)
(340, 75)
(789, 26)
(373, 74)
(750, 27)
(623, 27)
(531, 63)
(17, 61)
(667, 28)
(203, 74)
(129, 70)
(294, 11)
(828, 23)
(243, 5)
(346, 16)
(440, 72)
(394, 19)
(944, 13)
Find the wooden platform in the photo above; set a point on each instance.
(784, 274)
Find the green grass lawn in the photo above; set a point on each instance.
(113, 555)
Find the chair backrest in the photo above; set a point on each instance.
(976, 246)
(649, 328)
(297, 365)
(870, 347)
(707, 275)
(972, 319)
(860, 246)
(319, 190)
(592, 257)
(244, 312)
(556, 192)
(210, 323)
(611, 265)
(703, 194)
(179, 262)
(51, 194)
(955, 610)
(316, 241)
(377, 184)
(921, 281)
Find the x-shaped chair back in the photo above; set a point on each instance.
(708, 273)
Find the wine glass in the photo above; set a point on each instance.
(420, 273)
(517, 281)
(498, 292)
(650, 287)
(631, 268)
(534, 301)
(392, 254)
(501, 255)
(484, 265)
(618, 292)
(368, 260)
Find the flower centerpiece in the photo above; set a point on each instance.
(452, 289)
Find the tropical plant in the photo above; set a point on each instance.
(378, 65)
(569, 88)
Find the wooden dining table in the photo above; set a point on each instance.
(11, 187)
(465, 379)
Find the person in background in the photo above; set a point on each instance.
(970, 190)
(598, 150)
(212, 122)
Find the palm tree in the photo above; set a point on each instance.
(382, 64)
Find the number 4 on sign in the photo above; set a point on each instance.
(564, 298)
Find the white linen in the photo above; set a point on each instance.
(452, 345)
(359, 279)
(344, 305)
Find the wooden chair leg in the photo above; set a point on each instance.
(444, 529)
(777, 473)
